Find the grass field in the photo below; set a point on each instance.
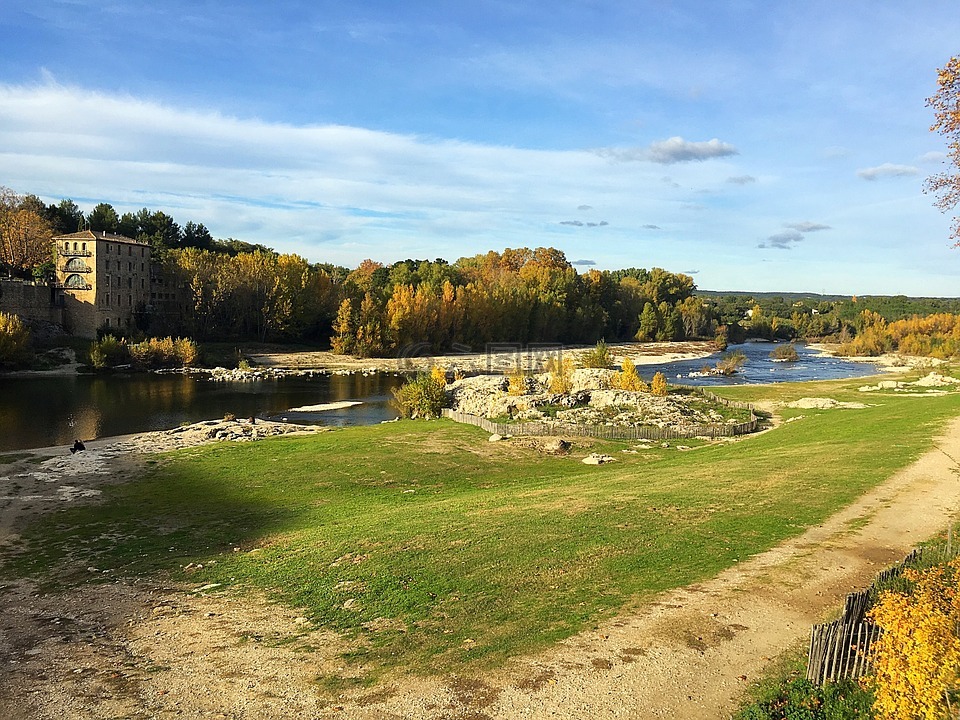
(430, 547)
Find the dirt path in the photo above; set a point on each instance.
(132, 651)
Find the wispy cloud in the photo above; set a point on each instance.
(807, 226)
(670, 151)
(583, 262)
(584, 207)
(741, 180)
(887, 170)
(581, 223)
(650, 227)
(782, 241)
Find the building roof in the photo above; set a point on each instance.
(99, 235)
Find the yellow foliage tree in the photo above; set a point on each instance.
(658, 386)
(517, 381)
(628, 378)
(561, 374)
(946, 106)
(916, 660)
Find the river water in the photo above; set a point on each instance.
(41, 411)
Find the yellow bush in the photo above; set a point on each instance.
(658, 386)
(561, 374)
(517, 382)
(916, 659)
(14, 339)
(628, 378)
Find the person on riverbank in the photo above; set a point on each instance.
(77, 447)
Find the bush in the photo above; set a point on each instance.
(517, 382)
(163, 352)
(108, 352)
(599, 357)
(628, 378)
(423, 397)
(658, 386)
(15, 348)
(561, 374)
(785, 353)
(730, 363)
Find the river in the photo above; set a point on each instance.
(42, 410)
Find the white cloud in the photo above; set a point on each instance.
(887, 170)
(741, 180)
(806, 226)
(670, 151)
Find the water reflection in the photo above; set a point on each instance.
(44, 411)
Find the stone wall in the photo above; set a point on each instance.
(31, 301)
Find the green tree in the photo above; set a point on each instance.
(103, 218)
(649, 323)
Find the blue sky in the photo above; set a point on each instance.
(755, 145)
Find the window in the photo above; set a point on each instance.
(142, 284)
(74, 247)
(75, 265)
(106, 321)
(118, 266)
(108, 301)
(129, 250)
(83, 247)
(143, 252)
(66, 247)
(129, 282)
(75, 281)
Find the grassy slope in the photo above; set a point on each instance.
(478, 551)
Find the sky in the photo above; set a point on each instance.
(757, 146)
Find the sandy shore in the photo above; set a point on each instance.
(497, 359)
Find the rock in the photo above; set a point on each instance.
(554, 446)
(495, 438)
(597, 459)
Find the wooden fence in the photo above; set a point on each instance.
(841, 649)
(616, 432)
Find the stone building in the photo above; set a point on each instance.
(103, 281)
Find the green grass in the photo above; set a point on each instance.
(433, 549)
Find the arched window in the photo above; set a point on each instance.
(83, 246)
(74, 247)
(75, 281)
(66, 247)
(75, 265)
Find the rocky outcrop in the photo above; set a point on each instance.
(591, 402)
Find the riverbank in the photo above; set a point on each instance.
(498, 359)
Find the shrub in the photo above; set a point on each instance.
(599, 357)
(163, 352)
(422, 397)
(730, 363)
(108, 351)
(628, 378)
(561, 374)
(15, 345)
(658, 386)
(916, 659)
(517, 382)
(785, 353)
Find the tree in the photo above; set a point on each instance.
(946, 106)
(65, 217)
(103, 218)
(24, 234)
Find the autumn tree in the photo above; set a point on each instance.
(24, 234)
(946, 107)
